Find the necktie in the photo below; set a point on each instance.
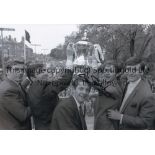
(126, 87)
(124, 92)
(23, 93)
(82, 116)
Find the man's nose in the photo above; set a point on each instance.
(21, 74)
(84, 92)
(131, 73)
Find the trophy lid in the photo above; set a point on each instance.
(84, 41)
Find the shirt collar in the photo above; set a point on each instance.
(77, 103)
(135, 82)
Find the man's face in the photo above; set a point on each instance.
(108, 73)
(93, 99)
(133, 73)
(81, 92)
(41, 73)
(18, 72)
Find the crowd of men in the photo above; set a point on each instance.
(29, 100)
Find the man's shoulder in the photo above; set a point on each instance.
(144, 92)
(7, 85)
(145, 88)
(67, 104)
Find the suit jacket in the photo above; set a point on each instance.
(103, 104)
(14, 113)
(139, 108)
(66, 116)
(43, 98)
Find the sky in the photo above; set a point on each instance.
(48, 36)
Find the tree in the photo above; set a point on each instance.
(58, 52)
(120, 41)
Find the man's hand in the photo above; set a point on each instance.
(114, 114)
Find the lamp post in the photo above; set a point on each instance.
(35, 47)
(44, 50)
(45, 60)
(2, 58)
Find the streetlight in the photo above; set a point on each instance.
(44, 50)
(45, 55)
(35, 46)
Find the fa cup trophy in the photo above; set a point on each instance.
(86, 53)
(83, 50)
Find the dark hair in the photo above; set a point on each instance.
(10, 64)
(132, 61)
(15, 62)
(31, 69)
(80, 78)
(109, 63)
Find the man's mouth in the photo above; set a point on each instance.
(82, 97)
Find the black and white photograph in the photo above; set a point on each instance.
(77, 77)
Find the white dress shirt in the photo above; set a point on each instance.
(78, 105)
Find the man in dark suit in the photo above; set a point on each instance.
(70, 113)
(43, 97)
(14, 111)
(137, 110)
(107, 75)
(44, 90)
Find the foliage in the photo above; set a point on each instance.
(119, 40)
(58, 53)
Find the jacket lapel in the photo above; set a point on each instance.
(82, 119)
(23, 93)
(18, 88)
(130, 98)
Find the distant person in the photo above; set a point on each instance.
(14, 110)
(137, 109)
(70, 112)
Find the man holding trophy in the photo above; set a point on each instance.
(43, 93)
(43, 96)
(70, 112)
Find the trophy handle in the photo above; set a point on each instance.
(99, 54)
(70, 51)
(75, 51)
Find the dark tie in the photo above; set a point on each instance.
(23, 93)
(82, 116)
(124, 92)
